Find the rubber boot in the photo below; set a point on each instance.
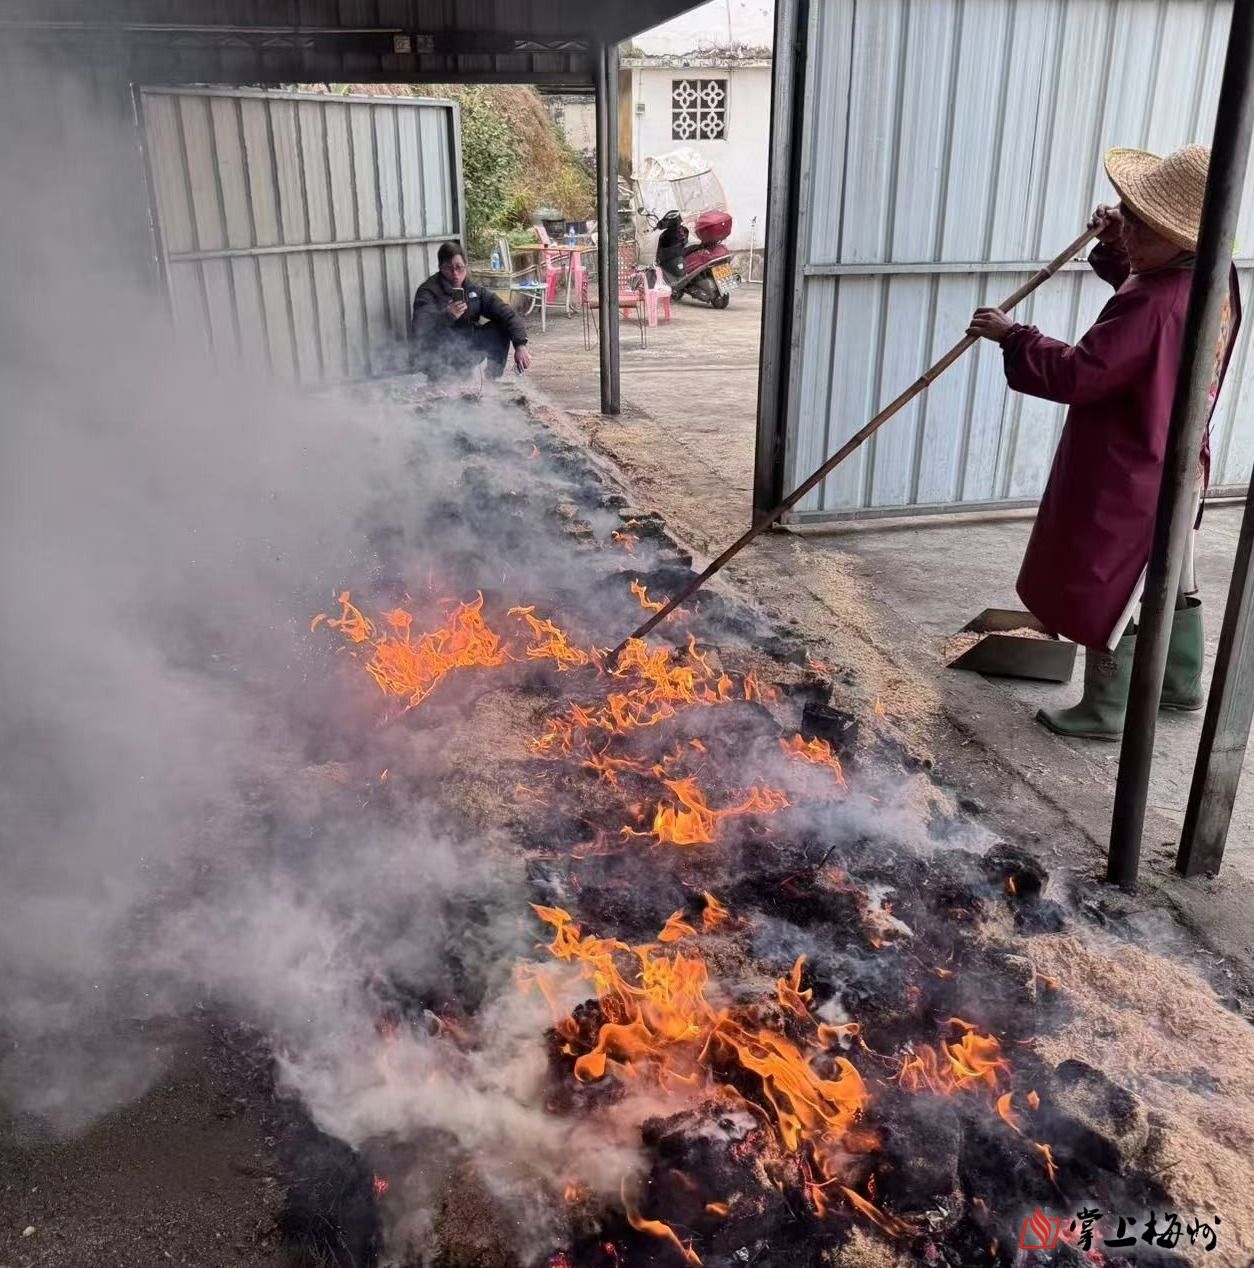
(1099, 715)
(1182, 683)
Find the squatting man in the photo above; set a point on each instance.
(448, 338)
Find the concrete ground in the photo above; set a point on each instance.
(880, 598)
(905, 562)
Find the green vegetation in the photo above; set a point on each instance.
(514, 161)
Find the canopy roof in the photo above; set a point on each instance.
(359, 41)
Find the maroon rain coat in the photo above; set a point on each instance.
(1092, 535)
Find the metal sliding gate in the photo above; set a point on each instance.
(946, 149)
(293, 228)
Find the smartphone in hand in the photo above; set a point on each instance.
(459, 294)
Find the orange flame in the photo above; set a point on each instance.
(659, 1023)
(411, 669)
(816, 751)
(880, 711)
(661, 684)
(642, 593)
(889, 1223)
(551, 642)
(973, 1060)
(1008, 1116)
(791, 996)
(657, 1228)
(715, 914)
(676, 927)
(626, 540)
(694, 821)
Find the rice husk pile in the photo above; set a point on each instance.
(956, 644)
(1154, 1028)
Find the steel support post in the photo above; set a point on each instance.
(1189, 411)
(607, 224)
(779, 256)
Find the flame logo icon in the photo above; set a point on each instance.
(1039, 1232)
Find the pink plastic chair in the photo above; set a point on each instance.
(554, 263)
(657, 296)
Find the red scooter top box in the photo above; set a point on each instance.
(712, 227)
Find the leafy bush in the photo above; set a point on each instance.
(514, 160)
(490, 165)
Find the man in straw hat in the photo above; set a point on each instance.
(1084, 570)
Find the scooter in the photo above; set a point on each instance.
(702, 270)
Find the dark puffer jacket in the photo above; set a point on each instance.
(430, 321)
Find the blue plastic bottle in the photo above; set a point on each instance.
(570, 235)
(496, 260)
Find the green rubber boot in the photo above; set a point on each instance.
(1099, 715)
(1182, 684)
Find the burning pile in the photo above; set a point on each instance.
(766, 1020)
(868, 1081)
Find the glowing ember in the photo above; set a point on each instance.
(818, 752)
(381, 1186)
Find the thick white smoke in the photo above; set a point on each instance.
(175, 829)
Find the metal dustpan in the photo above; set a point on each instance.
(1048, 659)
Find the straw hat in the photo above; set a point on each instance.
(1166, 192)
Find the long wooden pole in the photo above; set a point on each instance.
(855, 441)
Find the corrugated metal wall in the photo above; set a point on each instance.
(295, 228)
(950, 147)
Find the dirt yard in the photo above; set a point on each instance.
(187, 1174)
